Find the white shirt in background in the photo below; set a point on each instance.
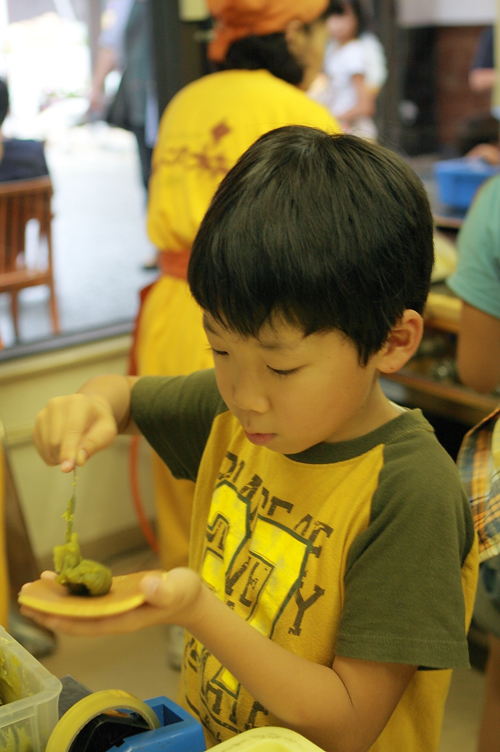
(341, 64)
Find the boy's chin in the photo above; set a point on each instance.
(287, 446)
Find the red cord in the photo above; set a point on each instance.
(146, 528)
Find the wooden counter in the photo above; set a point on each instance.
(446, 399)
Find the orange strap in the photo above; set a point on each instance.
(174, 263)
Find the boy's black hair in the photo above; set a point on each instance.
(338, 8)
(4, 100)
(269, 52)
(328, 232)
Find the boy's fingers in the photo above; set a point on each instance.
(176, 590)
(78, 446)
(48, 574)
(45, 435)
(156, 589)
(67, 465)
(139, 618)
(51, 431)
(71, 429)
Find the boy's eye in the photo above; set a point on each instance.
(218, 352)
(283, 373)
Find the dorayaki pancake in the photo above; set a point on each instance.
(50, 597)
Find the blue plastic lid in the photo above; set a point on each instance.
(466, 166)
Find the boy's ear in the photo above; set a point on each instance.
(403, 341)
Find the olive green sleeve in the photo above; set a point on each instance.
(175, 414)
(404, 596)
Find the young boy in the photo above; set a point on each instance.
(333, 558)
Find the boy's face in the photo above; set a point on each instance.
(290, 392)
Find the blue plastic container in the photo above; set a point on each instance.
(179, 731)
(459, 179)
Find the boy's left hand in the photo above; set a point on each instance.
(171, 598)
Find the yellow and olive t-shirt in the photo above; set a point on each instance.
(363, 548)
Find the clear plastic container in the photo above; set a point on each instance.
(31, 695)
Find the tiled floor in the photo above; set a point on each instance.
(138, 663)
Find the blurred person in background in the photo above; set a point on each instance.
(20, 159)
(265, 59)
(125, 44)
(355, 69)
(477, 282)
(482, 74)
(479, 138)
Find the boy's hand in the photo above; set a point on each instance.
(174, 597)
(71, 429)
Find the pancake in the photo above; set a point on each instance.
(49, 597)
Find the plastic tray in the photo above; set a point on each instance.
(459, 179)
(31, 712)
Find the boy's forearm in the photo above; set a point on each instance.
(116, 391)
(306, 697)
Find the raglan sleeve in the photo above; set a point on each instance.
(411, 575)
(175, 414)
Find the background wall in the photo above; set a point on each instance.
(446, 12)
(455, 102)
(105, 517)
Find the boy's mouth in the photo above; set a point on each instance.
(259, 438)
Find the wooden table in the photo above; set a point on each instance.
(448, 221)
(448, 400)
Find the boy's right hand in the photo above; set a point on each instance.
(71, 429)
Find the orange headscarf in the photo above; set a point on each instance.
(237, 19)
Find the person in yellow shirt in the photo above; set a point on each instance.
(266, 55)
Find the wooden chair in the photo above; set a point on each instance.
(20, 202)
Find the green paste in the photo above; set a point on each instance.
(80, 576)
(10, 683)
(14, 738)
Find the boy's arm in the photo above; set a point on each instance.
(341, 709)
(478, 349)
(70, 429)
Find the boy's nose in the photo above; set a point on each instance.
(248, 396)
